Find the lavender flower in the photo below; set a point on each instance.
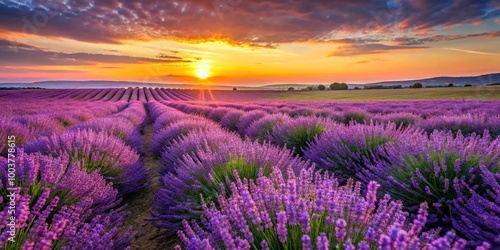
(207, 172)
(96, 151)
(349, 232)
(260, 129)
(298, 132)
(347, 150)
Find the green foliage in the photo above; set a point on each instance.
(291, 89)
(301, 135)
(417, 85)
(321, 87)
(338, 86)
(223, 175)
(355, 116)
(439, 185)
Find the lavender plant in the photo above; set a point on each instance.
(118, 127)
(192, 143)
(260, 129)
(53, 200)
(248, 118)
(346, 150)
(167, 135)
(96, 150)
(429, 176)
(305, 212)
(296, 133)
(209, 172)
(218, 113)
(231, 119)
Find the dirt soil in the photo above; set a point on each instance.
(139, 206)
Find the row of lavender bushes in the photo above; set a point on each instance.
(70, 182)
(457, 174)
(234, 194)
(466, 117)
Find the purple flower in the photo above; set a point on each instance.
(296, 133)
(92, 151)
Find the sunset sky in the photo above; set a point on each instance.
(247, 42)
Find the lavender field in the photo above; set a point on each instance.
(152, 168)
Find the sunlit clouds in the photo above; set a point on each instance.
(248, 43)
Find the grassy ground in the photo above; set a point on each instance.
(455, 93)
(139, 206)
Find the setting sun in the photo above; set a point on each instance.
(203, 71)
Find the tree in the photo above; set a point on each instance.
(235, 89)
(338, 86)
(309, 88)
(321, 87)
(467, 85)
(417, 85)
(291, 89)
(450, 85)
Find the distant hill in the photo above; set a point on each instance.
(480, 80)
(115, 84)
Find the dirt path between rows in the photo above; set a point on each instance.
(139, 206)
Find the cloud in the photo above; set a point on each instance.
(412, 41)
(366, 49)
(14, 53)
(264, 23)
(165, 56)
(472, 51)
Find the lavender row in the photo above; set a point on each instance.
(468, 117)
(309, 211)
(71, 184)
(215, 165)
(197, 156)
(29, 125)
(109, 94)
(362, 151)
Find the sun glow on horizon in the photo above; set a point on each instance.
(202, 70)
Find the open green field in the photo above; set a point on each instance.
(455, 93)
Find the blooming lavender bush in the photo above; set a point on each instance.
(45, 225)
(452, 171)
(96, 150)
(308, 211)
(218, 113)
(465, 123)
(355, 116)
(167, 118)
(260, 129)
(476, 210)
(192, 143)
(69, 182)
(346, 150)
(248, 118)
(20, 131)
(42, 124)
(118, 127)
(403, 119)
(136, 113)
(167, 135)
(429, 176)
(231, 119)
(296, 133)
(208, 172)
(53, 201)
